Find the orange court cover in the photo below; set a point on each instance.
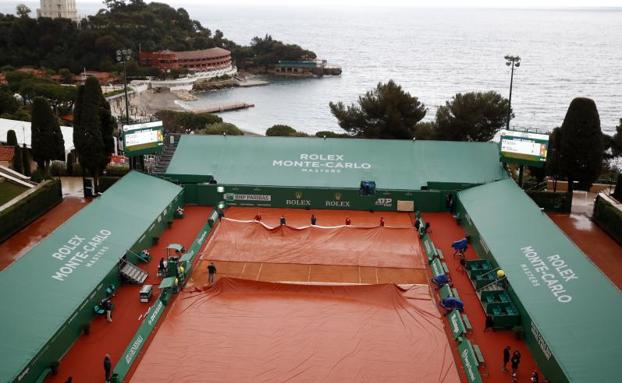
(246, 331)
(251, 241)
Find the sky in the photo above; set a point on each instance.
(384, 3)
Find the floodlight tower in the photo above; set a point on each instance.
(514, 62)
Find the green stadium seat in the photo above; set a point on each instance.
(454, 292)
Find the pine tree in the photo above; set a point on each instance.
(385, 112)
(87, 132)
(11, 139)
(581, 144)
(47, 142)
(26, 160)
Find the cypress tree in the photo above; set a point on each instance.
(87, 132)
(26, 160)
(11, 139)
(47, 142)
(581, 144)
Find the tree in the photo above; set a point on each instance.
(22, 10)
(330, 134)
(425, 131)
(553, 154)
(87, 131)
(473, 116)
(581, 146)
(11, 139)
(384, 112)
(8, 103)
(26, 160)
(221, 128)
(47, 142)
(616, 141)
(284, 131)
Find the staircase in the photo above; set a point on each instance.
(170, 145)
(133, 274)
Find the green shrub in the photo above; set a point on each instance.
(221, 128)
(609, 218)
(20, 214)
(284, 131)
(117, 171)
(550, 201)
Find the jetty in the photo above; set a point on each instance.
(223, 108)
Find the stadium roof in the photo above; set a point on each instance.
(572, 304)
(43, 289)
(336, 162)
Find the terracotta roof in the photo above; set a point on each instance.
(204, 53)
(7, 153)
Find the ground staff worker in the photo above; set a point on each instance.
(107, 366)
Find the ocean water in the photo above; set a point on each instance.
(433, 54)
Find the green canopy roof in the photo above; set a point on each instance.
(44, 288)
(334, 162)
(572, 304)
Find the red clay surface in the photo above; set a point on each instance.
(84, 361)
(244, 331)
(444, 230)
(252, 241)
(594, 242)
(22, 241)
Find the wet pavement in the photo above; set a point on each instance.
(594, 242)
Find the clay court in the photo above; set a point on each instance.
(243, 331)
(362, 253)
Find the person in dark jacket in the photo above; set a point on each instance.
(211, 271)
(506, 357)
(107, 366)
(283, 221)
(515, 361)
(313, 219)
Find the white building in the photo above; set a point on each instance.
(58, 8)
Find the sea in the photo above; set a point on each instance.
(433, 54)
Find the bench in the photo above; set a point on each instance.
(454, 292)
(445, 268)
(437, 268)
(439, 252)
(478, 354)
(445, 292)
(467, 323)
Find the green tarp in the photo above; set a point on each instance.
(47, 286)
(333, 163)
(573, 309)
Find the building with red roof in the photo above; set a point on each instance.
(199, 60)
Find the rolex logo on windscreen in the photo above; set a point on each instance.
(298, 201)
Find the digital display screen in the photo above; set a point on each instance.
(143, 138)
(524, 148)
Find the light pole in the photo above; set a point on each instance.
(513, 61)
(124, 55)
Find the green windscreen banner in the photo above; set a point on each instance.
(469, 362)
(138, 342)
(141, 139)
